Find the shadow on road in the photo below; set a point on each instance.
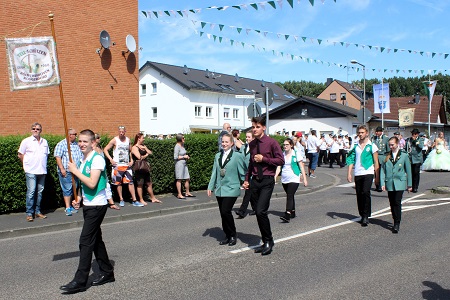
(437, 292)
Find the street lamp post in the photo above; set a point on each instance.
(364, 93)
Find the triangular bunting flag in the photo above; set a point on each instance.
(272, 3)
(254, 5)
(290, 3)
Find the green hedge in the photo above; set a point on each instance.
(200, 147)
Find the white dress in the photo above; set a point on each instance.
(438, 159)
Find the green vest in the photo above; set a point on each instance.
(101, 184)
(294, 164)
(366, 156)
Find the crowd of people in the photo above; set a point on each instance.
(393, 163)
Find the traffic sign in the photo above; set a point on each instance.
(253, 110)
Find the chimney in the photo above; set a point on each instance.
(417, 98)
(329, 81)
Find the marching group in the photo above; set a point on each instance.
(253, 166)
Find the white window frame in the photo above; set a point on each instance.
(226, 113)
(154, 88)
(332, 96)
(235, 113)
(198, 111)
(209, 112)
(143, 89)
(154, 112)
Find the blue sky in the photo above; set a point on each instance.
(415, 25)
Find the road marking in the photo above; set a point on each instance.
(346, 184)
(381, 212)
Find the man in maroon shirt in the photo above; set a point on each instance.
(265, 156)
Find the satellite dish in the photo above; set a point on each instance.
(104, 39)
(131, 43)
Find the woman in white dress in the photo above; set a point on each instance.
(439, 158)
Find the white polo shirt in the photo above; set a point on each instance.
(359, 169)
(312, 144)
(35, 155)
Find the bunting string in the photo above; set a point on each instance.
(319, 41)
(293, 57)
(257, 5)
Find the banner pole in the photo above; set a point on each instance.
(61, 95)
(382, 106)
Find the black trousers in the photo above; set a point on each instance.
(290, 189)
(415, 170)
(363, 183)
(323, 157)
(261, 194)
(91, 241)
(395, 201)
(343, 156)
(225, 206)
(246, 201)
(335, 157)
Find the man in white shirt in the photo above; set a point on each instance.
(92, 176)
(33, 153)
(312, 144)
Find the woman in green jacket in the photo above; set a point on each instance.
(395, 178)
(227, 176)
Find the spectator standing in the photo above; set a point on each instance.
(236, 140)
(364, 158)
(226, 128)
(121, 165)
(265, 157)
(181, 170)
(140, 152)
(312, 145)
(33, 153)
(61, 155)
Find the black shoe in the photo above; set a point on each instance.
(232, 241)
(414, 190)
(252, 213)
(104, 278)
(293, 214)
(286, 218)
(225, 241)
(364, 221)
(259, 249)
(267, 249)
(240, 214)
(396, 228)
(73, 287)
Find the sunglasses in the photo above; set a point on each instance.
(36, 129)
(75, 134)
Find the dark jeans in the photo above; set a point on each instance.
(395, 201)
(91, 241)
(261, 193)
(363, 183)
(323, 157)
(225, 206)
(415, 170)
(246, 201)
(290, 189)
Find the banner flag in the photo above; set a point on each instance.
(32, 62)
(430, 86)
(381, 98)
(406, 117)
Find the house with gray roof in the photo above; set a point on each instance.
(176, 99)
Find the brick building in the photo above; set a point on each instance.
(101, 91)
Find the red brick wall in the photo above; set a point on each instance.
(96, 98)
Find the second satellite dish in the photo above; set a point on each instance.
(104, 39)
(131, 43)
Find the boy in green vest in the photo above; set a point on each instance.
(93, 180)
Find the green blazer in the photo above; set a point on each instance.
(414, 149)
(228, 185)
(383, 147)
(247, 155)
(396, 175)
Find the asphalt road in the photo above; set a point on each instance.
(322, 254)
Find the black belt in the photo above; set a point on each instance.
(256, 177)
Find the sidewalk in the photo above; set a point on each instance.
(15, 225)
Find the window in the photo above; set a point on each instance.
(143, 89)
(247, 90)
(198, 111)
(208, 111)
(155, 112)
(235, 113)
(226, 113)
(343, 96)
(154, 89)
(333, 97)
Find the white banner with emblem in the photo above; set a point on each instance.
(32, 62)
(406, 117)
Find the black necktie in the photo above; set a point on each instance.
(260, 169)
